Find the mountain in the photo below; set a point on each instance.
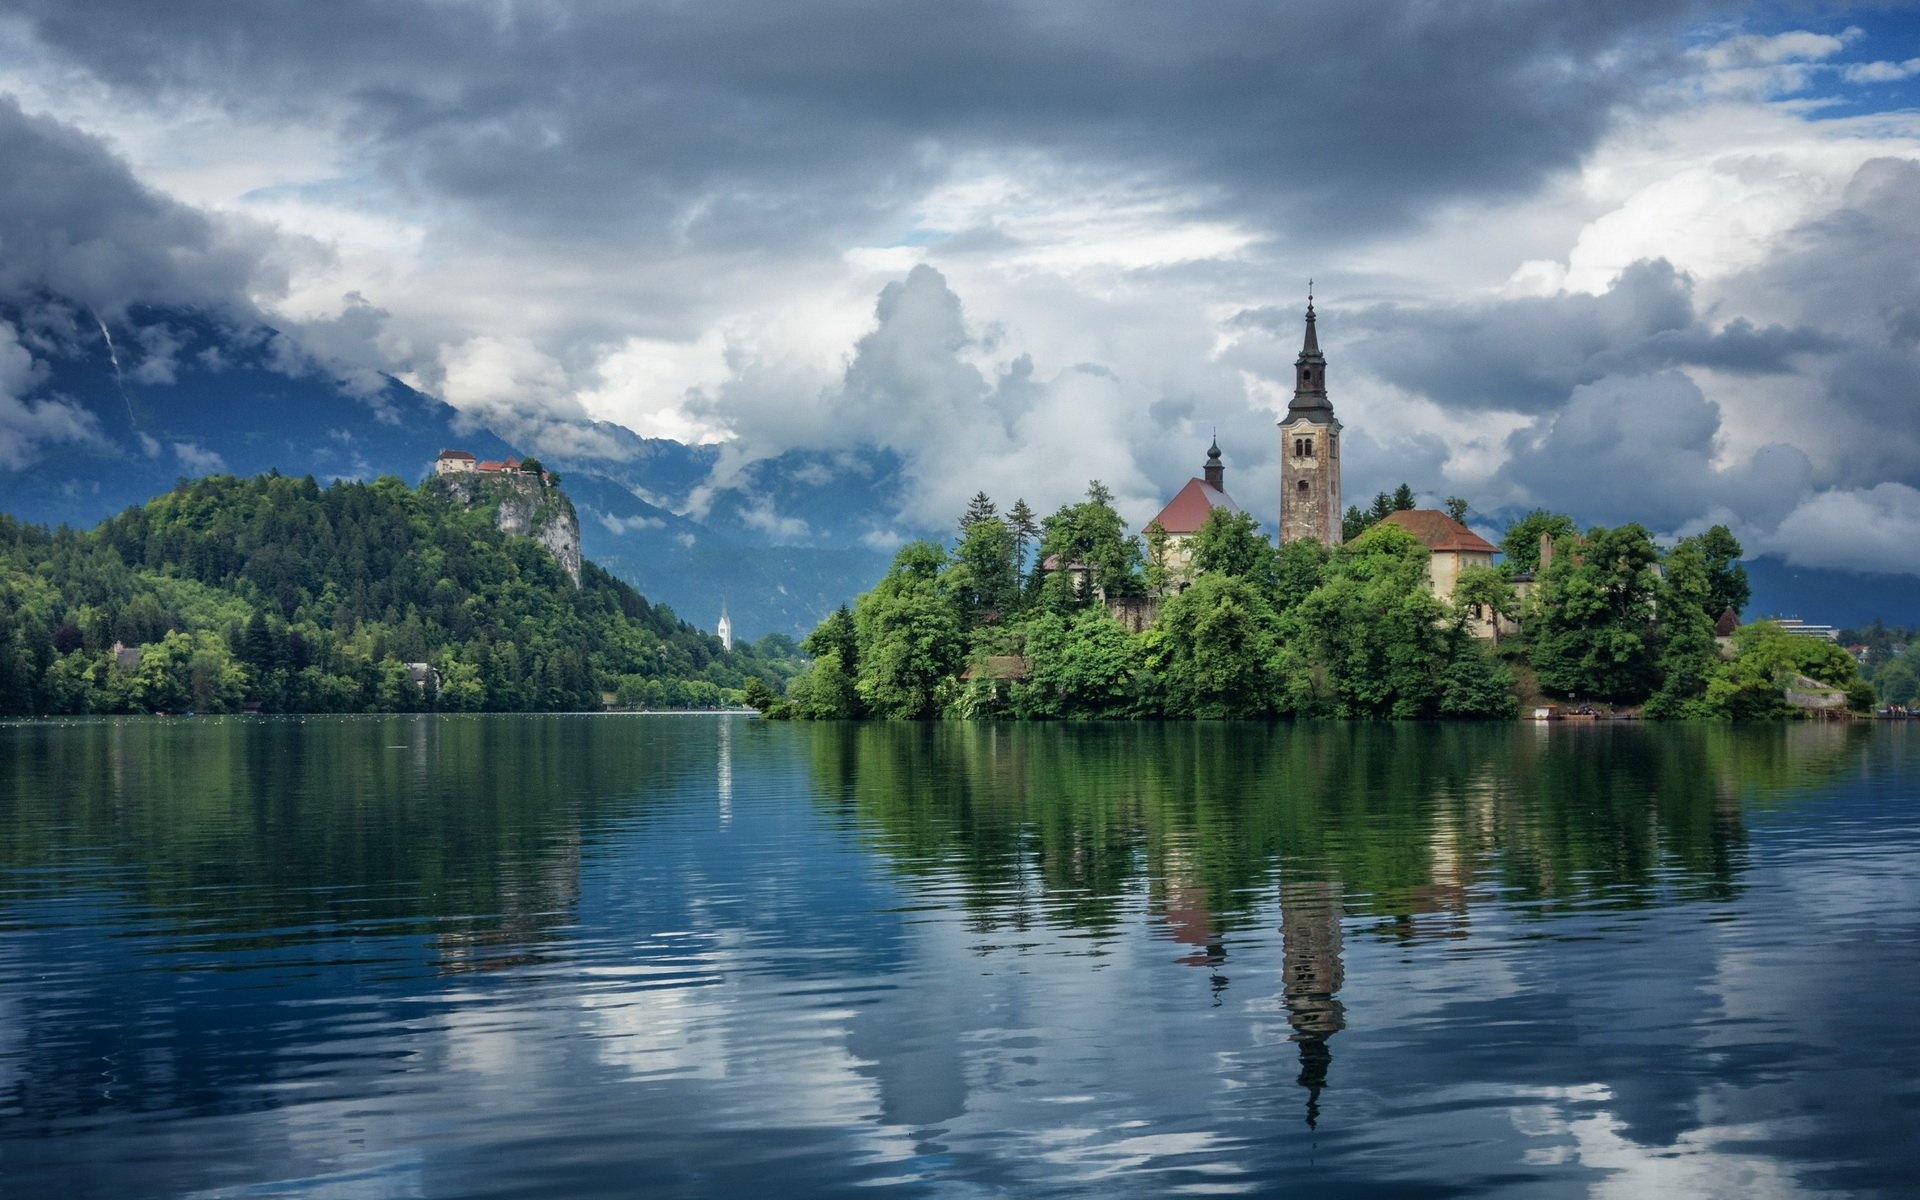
(1826, 597)
(171, 394)
(146, 399)
(785, 543)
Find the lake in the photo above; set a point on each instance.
(715, 956)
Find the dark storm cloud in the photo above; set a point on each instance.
(1641, 448)
(775, 123)
(1852, 272)
(74, 221)
(1527, 354)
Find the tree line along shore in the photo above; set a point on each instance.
(1029, 619)
(274, 594)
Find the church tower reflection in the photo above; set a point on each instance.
(1310, 977)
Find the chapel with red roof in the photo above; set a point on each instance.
(1310, 493)
(1187, 512)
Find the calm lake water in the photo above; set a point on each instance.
(711, 956)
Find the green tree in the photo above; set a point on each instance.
(1728, 587)
(980, 508)
(910, 637)
(1378, 635)
(1086, 667)
(1780, 653)
(826, 691)
(1217, 651)
(1159, 572)
(1230, 543)
(1472, 684)
(1484, 592)
(395, 689)
(1354, 522)
(1591, 616)
(1026, 533)
(460, 687)
(1457, 508)
(1299, 567)
(76, 683)
(984, 577)
(1688, 652)
(1520, 545)
(1091, 534)
(159, 682)
(757, 695)
(1898, 682)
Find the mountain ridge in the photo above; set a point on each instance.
(162, 394)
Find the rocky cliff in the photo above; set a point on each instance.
(523, 506)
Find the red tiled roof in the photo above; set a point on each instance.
(1438, 531)
(1188, 510)
(460, 454)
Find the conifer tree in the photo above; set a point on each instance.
(1026, 529)
(980, 508)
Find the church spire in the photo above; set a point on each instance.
(1310, 449)
(1216, 472)
(1310, 370)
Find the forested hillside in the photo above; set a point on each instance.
(307, 599)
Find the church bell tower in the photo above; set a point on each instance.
(1310, 451)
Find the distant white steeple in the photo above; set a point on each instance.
(725, 629)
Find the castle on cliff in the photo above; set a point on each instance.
(460, 462)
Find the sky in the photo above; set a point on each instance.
(1640, 261)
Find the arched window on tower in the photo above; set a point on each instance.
(1301, 486)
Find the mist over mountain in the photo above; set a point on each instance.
(118, 409)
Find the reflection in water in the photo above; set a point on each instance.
(1181, 903)
(1062, 824)
(1311, 975)
(723, 770)
(681, 956)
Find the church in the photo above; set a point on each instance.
(1310, 507)
(1309, 470)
